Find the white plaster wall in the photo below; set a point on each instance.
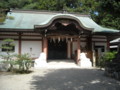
(83, 44)
(34, 48)
(16, 48)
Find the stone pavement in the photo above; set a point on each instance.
(74, 79)
(59, 79)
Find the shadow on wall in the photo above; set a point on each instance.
(74, 79)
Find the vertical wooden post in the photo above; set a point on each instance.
(19, 43)
(89, 50)
(78, 51)
(71, 45)
(68, 50)
(94, 54)
(45, 46)
(108, 44)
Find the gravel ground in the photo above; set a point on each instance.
(59, 79)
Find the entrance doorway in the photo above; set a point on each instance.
(57, 49)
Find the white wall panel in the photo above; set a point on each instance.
(82, 44)
(34, 48)
(16, 47)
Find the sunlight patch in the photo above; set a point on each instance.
(95, 81)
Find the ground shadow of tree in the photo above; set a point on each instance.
(74, 79)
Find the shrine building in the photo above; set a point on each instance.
(57, 34)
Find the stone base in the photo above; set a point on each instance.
(40, 64)
(84, 61)
(41, 61)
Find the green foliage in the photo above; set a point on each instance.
(10, 17)
(10, 64)
(8, 60)
(2, 19)
(84, 6)
(31, 6)
(24, 61)
(109, 13)
(107, 57)
(7, 44)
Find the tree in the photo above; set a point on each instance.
(7, 46)
(109, 13)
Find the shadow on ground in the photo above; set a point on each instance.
(74, 79)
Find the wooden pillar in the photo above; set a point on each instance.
(108, 44)
(89, 49)
(19, 43)
(68, 50)
(78, 51)
(45, 46)
(94, 55)
(71, 46)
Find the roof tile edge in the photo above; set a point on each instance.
(48, 12)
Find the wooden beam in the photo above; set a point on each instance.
(108, 44)
(78, 51)
(19, 43)
(17, 35)
(89, 46)
(71, 45)
(68, 50)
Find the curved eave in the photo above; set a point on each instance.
(61, 16)
(107, 31)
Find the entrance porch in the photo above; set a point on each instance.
(61, 48)
(57, 49)
(62, 39)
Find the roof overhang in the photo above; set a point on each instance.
(61, 16)
(40, 21)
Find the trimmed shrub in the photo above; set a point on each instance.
(106, 58)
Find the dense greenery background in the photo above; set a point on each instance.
(104, 12)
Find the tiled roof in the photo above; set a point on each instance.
(28, 20)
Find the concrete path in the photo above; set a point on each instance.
(59, 79)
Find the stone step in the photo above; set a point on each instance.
(59, 64)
